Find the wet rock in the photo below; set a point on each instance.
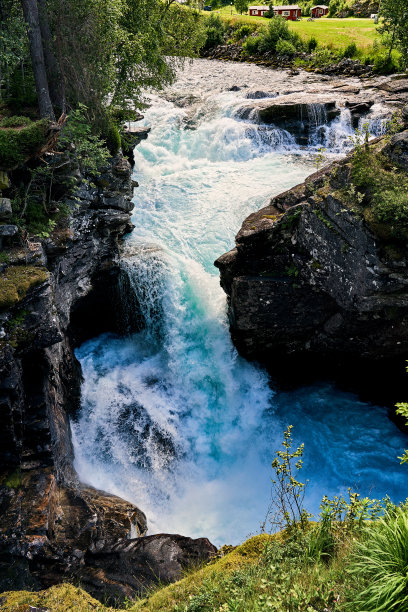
(257, 94)
(133, 136)
(5, 209)
(132, 566)
(48, 520)
(358, 109)
(309, 277)
(7, 233)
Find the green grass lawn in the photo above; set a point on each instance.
(337, 33)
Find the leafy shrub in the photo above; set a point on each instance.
(112, 138)
(215, 31)
(251, 45)
(285, 47)
(380, 563)
(351, 50)
(18, 145)
(242, 32)
(385, 64)
(312, 44)
(15, 121)
(323, 57)
(277, 29)
(90, 152)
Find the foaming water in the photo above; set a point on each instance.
(172, 418)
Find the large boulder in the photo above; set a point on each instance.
(397, 150)
(310, 276)
(130, 567)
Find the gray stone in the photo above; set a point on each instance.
(397, 149)
(5, 209)
(8, 231)
(308, 275)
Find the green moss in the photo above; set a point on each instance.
(113, 139)
(385, 187)
(291, 219)
(63, 597)
(15, 281)
(16, 145)
(15, 121)
(13, 481)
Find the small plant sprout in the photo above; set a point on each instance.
(286, 508)
(320, 157)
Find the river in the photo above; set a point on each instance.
(172, 419)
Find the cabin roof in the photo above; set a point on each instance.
(275, 8)
(320, 6)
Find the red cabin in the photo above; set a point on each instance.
(290, 12)
(258, 11)
(319, 10)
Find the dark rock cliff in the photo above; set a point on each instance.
(313, 276)
(54, 295)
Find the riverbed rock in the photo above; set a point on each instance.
(5, 209)
(311, 277)
(397, 150)
(132, 566)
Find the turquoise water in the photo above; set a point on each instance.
(172, 418)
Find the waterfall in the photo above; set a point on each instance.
(172, 418)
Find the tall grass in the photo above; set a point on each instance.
(380, 565)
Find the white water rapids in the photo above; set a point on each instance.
(172, 418)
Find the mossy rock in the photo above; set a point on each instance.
(15, 281)
(64, 597)
(4, 180)
(166, 598)
(19, 144)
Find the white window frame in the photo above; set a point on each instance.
(286, 13)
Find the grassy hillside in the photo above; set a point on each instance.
(337, 33)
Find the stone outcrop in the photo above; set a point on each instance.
(54, 294)
(309, 275)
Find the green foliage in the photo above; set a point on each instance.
(13, 481)
(393, 28)
(323, 57)
(252, 44)
(241, 5)
(285, 47)
(113, 138)
(18, 145)
(380, 564)
(384, 188)
(13, 42)
(277, 29)
(16, 281)
(89, 151)
(312, 44)
(109, 51)
(286, 508)
(351, 50)
(402, 410)
(243, 31)
(215, 31)
(15, 121)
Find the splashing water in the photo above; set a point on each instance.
(172, 418)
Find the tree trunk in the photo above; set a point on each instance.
(53, 69)
(30, 10)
